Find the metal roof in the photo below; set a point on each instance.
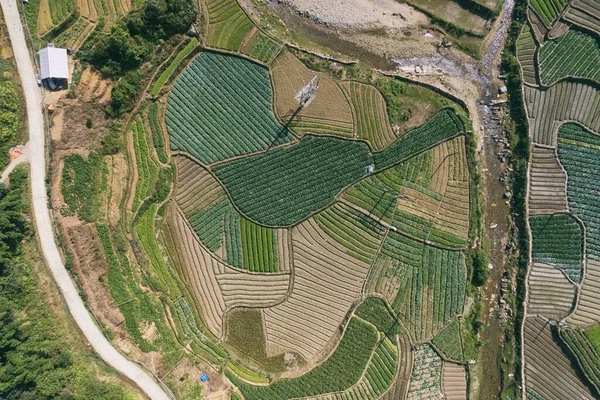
(53, 63)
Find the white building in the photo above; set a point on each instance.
(54, 67)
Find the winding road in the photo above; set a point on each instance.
(82, 317)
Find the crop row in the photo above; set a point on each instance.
(60, 10)
(449, 342)
(157, 133)
(172, 65)
(426, 377)
(558, 240)
(145, 232)
(209, 224)
(370, 115)
(574, 54)
(220, 107)
(233, 238)
(189, 326)
(262, 47)
(526, 48)
(146, 167)
(360, 234)
(373, 196)
(585, 13)
(228, 24)
(431, 285)
(259, 247)
(284, 185)
(549, 9)
(378, 376)
(444, 125)
(338, 372)
(422, 228)
(579, 153)
(585, 353)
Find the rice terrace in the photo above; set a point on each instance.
(303, 199)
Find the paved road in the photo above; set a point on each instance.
(80, 314)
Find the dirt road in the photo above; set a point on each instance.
(82, 317)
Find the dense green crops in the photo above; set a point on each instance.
(558, 240)
(421, 228)
(228, 24)
(549, 9)
(262, 48)
(285, 185)
(443, 126)
(360, 234)
(449, 342)
(375, 311)
(338, 372)
(171, 68)
(259, 247)
(586, 355)
(60, 10)
(432, 284)
(157, 135)
(579, 153)
(147, 168)
(220, 107)
(209, 223)
(574, 54)
(233, 238)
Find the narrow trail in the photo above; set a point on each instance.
(44, 230)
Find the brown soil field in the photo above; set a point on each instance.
(550, 295)
(92, 87)
(326, 283)
(75, 134)
(548, 371)
(117, 182)
(216, 287)
(328, 112)
(548, 182)
(587, 311)
(196, 189)
(454, 381)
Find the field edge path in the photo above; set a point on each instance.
(80, 314)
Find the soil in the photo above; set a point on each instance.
(57, 125)
(359, 14)
(75, 134)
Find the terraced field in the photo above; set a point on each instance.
(564, 126)
(347, 242)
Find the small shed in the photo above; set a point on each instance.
(54, 67)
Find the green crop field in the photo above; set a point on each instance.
(338, 372)
(172, 65)
(579, 153)
(586, 355)
(60, 10)
(228, 24)
(574, 54)
(357, 240)
(549, 9)
(259, 247)
(558, 240)
(284, 185)
(147, 168)
(431, 281)
(449, 342)
(225, 97)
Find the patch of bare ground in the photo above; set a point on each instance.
(57, 125)
(359, 14)
(117, 183)
(92, 87)
(184, 379)
(75, 133)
